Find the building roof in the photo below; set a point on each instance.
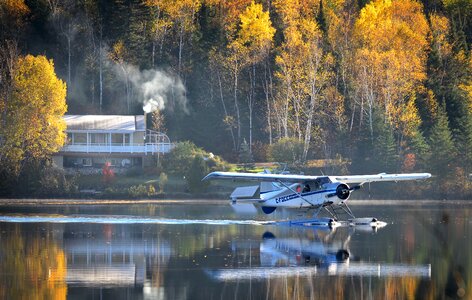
(105, 122)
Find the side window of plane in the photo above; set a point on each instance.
(306, 188)
(316, 185)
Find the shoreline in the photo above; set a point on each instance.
(47, 202)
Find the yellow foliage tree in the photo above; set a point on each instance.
(247, 47)
(254, 39)
(391, 39)
(305, 72)
(118, 54)
(227, 13)
(181, 14)
(33, 127)
(256, 31)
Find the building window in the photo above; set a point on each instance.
(86, 162)
(127, 138)
(99, 138)
(80, 138)
(117, 139)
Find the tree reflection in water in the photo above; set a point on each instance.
(32, 265)
(203, 261)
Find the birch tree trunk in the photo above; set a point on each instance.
(236, 106)
(100, 72)
(225, 110)
(266, 86)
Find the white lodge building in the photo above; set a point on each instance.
(123, 141)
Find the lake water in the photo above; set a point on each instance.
(203, 250)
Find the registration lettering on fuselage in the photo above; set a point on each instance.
(285, 198)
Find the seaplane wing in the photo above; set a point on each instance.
(293, 178)
(261, 177)
(381, 177)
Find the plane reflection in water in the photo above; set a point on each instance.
(326, 254)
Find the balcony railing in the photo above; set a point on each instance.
(148, 148)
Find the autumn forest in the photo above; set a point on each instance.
(382, 85)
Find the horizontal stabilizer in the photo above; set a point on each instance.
(245, 192)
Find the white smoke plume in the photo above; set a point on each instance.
(158, 89)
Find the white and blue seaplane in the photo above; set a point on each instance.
(310, 193)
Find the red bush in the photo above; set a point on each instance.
(107, 173)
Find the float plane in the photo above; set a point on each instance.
(305, 192)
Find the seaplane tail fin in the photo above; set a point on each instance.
(267, 187)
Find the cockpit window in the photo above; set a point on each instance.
(324, 180)
(316, 184)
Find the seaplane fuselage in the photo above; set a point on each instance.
(296, 195)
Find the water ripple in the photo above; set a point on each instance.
(119, 220)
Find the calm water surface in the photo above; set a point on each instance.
(188, 251)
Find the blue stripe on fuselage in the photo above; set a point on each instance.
(294, 196)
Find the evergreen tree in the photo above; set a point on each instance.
(245, 155)
(376, 153)
(384, 156)
(463, 136)
(139, 17)
(419, 147)
(442, 145)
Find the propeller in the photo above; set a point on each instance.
(343, 191)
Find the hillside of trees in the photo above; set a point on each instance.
(385, 85)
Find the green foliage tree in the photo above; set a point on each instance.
(54, 182)
(460, 12)
(198, 169)
(286, 150)
(179, 159)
